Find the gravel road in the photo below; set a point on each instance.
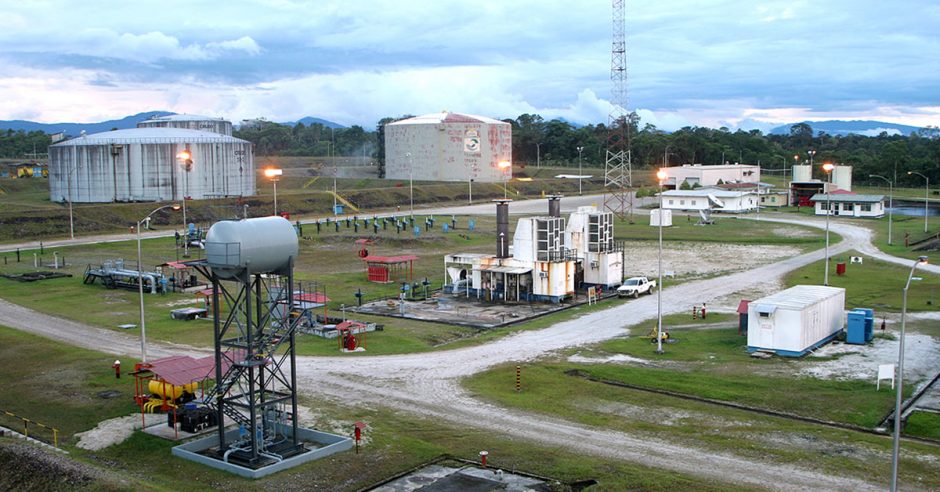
(429, 384)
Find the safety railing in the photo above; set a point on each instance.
(27, 422)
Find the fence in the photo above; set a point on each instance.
(26, 423)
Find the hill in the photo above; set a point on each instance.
(868, 128)
(76, 128)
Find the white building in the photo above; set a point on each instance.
(702, 175)
(189, 122)
(141, 164)
(448, 147)
(710, 199)
(795, 321)
(849, 204)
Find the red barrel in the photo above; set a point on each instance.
(840, 269)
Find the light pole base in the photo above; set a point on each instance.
(660, 351)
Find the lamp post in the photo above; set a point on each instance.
(538, 155)
(828, 167)
(660, 176)
(926, 194)
(411, 182)
(186, 157)
(900, 377)
(890, 201)
(274, 174)
(506, 168)
(580, 149)
(140, 282)
(811, 153)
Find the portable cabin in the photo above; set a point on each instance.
(795, 321)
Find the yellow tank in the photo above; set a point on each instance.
(169, 391)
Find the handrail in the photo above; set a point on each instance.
(26, 422)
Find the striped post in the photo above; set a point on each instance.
(518, 379)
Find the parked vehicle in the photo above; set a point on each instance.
(634, 286)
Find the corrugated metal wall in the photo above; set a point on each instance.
(221, 127)
(150, 171)
(448, 151)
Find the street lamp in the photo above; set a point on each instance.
(926, 194)
(411, 181)
(828, 167)
(661, 177)
(140, 282)
(506, 167)
(186, 157)
(538, 155)
(890, 201)
(580, 149)
(811, 153)
(900, 378)
(274, 174)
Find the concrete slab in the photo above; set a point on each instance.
(439, 478)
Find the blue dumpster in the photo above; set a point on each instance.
(860, 329)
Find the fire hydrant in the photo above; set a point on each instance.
(117, 369)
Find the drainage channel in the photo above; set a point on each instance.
(908, 406)
(737, 406)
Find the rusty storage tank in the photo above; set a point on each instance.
(261, 245)
(141, 164)
(448, 147)
(189, 122)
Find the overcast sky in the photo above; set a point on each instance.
(747, 64)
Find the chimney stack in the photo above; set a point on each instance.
(502, 228)
(554, 205)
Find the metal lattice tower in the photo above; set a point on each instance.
(618, 172)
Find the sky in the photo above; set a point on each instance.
(740, 64)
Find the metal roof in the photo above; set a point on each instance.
(389, 259)
(506, 269)
(704, 192)
(799, 297)
(182, 117)
(844, 198)
(150, 136)
(448, 117)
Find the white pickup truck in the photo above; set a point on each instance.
(634, 286)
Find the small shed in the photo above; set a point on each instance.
(658, 215)
(795, 321)
(385, 269)
(742, 316)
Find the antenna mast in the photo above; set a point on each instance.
(618, 172)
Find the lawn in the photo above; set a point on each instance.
(872, 284)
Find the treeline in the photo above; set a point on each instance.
(314, 140)
(20, 145)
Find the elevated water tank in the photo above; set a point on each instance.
(262, 245)
(802, 173)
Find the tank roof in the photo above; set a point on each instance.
(447, 117)
(150, 135)
(183, 117)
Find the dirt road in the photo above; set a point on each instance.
(429, 384)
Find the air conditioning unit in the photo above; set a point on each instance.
(543, 274)
(594, 264)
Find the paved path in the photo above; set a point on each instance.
(428, 384)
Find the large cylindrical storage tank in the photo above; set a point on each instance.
(448, 147)
(141, 164)
(802, 173)
(189, 122)
(261, 245)
(842, 177)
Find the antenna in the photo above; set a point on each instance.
(618, 171)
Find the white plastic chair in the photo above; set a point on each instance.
(885, 371)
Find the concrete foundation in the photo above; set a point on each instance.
(316, 444)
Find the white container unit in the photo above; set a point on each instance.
(795, 321)
(655, 215)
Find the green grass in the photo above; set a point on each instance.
(873, 284)
(57, 385)
(727, 229)
(548, 390)
(923, 424)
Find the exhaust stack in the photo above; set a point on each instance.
(502, 228)
(554, 205)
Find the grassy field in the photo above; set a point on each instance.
(872, 284)
(72, 378)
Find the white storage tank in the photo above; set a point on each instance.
(448, 147)
(189, 122)
(802, 173)
(141, 164)
(842, 177)
(261, 245)
(795, 321)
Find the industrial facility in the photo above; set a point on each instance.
(546, 261)
(149, 164)
(189, 122)
(449, 147)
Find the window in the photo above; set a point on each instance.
(848, 207)
(670, 201)
(694, 203)
(866, 207)
(681, 202)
